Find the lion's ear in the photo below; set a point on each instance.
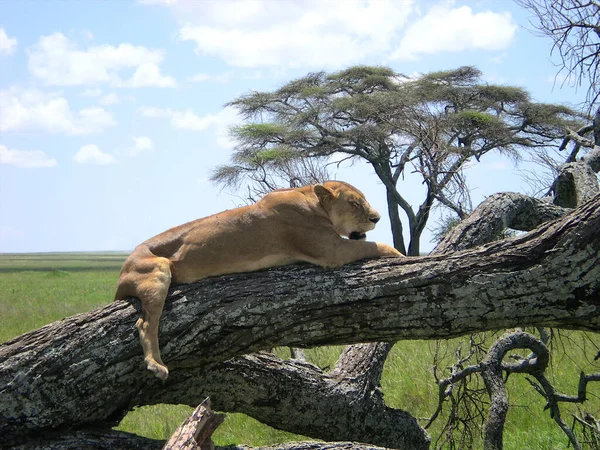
(325, 196)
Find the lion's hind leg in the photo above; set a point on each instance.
(152, 287)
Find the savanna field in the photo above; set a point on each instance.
(36, 289)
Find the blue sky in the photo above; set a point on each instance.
(112, 112)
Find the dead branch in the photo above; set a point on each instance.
(195, 432)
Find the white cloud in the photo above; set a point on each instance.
(33, 110)
(96, 92)
(25, 158)
(324, 34)
(148, 75)
(185, 120)
(8, 45)
(445, 28)
(312, 33)
(91, 154)
(109, 99)
(188, 120)
(141, 144)
(57, 61)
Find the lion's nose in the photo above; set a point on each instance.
(374, 219)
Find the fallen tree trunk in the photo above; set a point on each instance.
(87, 369)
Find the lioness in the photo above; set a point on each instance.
(284, 227)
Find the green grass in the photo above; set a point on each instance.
(36, 289)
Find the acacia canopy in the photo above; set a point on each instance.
(431, 126)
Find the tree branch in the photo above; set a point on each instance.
(288, 394)
(494, 215)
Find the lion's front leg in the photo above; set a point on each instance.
(345, 251)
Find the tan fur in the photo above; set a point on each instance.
(284, 227)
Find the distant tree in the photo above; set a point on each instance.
(430, 126)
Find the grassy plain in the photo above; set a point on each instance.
(36, 289)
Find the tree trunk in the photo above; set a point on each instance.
(395, 223)
(418, 224)
(87, 369)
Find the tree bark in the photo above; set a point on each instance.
(88, 369)
(290, 395)
(395, 223)
(494, 215)
(86, 438)
(577, 181)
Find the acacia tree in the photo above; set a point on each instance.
(431, 126)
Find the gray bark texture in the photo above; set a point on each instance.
(286, 394)
(87, 370)
(577, 181)
(495, 214)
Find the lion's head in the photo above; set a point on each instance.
(349, 211)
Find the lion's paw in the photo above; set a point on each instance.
(160, 371)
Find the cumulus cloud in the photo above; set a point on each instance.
(141, 144)
(318, 34)
(147, 75)
(8, 45)
(294, 34)
(96, 92)
(109, 99)
(91, 154)
(189, 120)
(185, 120)
(26, 159)
(33, 110)
(57, 61)
(445, 28)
